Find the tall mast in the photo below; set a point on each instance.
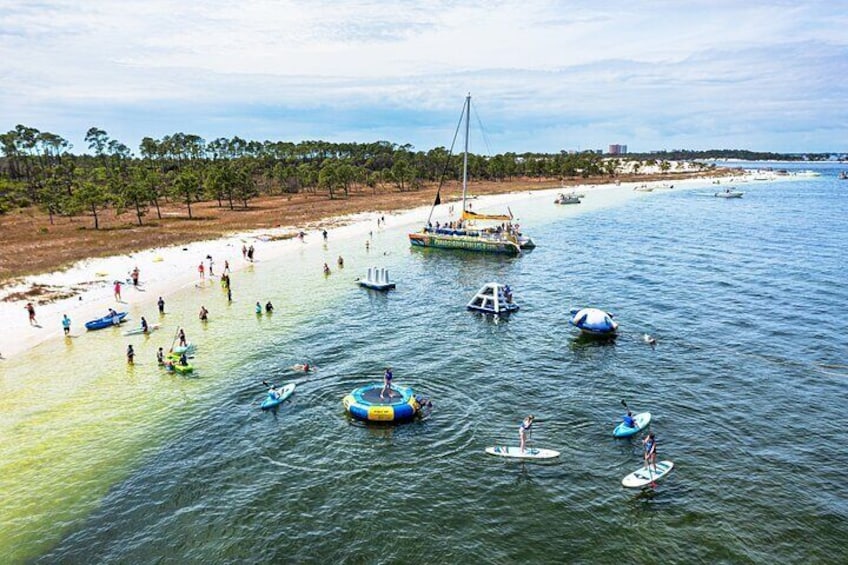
(465, 153)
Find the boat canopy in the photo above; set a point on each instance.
(469, 215)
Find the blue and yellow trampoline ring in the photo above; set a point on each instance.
(364, 403)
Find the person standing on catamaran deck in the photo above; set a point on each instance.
(650, 445)
(524, 431)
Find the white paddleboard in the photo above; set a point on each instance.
(528, 453)
(138, 331)
(643, 477)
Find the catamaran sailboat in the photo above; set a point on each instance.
(503, 237)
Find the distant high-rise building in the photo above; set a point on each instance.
(616, 149)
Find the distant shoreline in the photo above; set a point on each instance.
(39, 247)
(85, 289)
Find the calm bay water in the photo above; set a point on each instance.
(747, 385)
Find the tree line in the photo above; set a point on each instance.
(39, 169)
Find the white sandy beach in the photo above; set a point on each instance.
(163, 271)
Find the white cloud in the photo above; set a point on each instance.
(651, 74)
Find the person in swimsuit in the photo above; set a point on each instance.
(161, 304)
(524, 432)
(31, 311)
(202, 270)
(183, 342)
(144, 328)
(650, 445)
(204, 314)
(130, 355)
(117, 291)
(387, 383)
(629, 421)
(66, 324)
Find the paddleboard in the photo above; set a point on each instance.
(137, 331)
(642, 477)
(270, 401)
(642, 420)
(528, 453)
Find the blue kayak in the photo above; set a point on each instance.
(642, 420)
(273, 400)
(106, 321)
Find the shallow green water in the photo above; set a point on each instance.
(746, 386)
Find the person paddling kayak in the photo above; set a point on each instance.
(629, 421)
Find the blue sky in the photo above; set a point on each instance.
(545, 75)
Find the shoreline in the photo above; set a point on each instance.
(84, 291)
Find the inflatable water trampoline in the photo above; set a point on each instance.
(364, 403)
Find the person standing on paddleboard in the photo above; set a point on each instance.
(524, 431)
(650, 445)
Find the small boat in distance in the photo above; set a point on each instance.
(729, 193)
(567, 199)
(503, 237)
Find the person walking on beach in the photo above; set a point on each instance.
(250, 252)
(117, 291)
(66, 324)
(130, 355)
(226, 267)
(524, 432)
(209, 257)
(324, 233)
(202, 270)
(387, 383)
(161, 305)
(31, 311)
(244, 251)
(134, 276)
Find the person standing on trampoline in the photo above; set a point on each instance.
(387, 383)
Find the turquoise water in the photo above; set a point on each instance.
(747, 386)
